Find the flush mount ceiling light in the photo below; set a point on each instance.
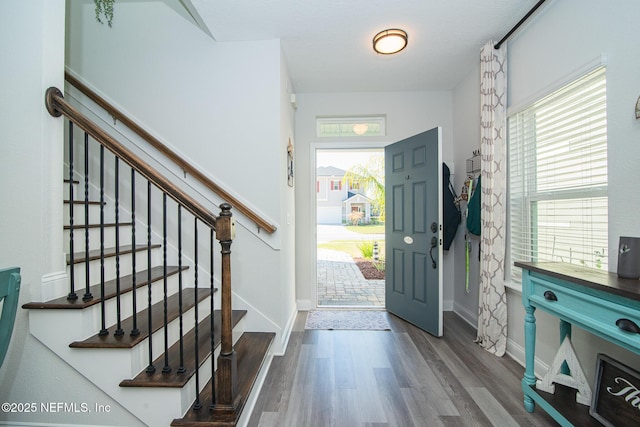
(390, 41)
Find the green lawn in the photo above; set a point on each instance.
(349, 246)
(366, 229)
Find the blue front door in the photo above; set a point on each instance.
(413, 188)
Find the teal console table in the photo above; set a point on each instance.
(594, 300)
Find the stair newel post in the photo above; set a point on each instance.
(227, 373)
(212, 239)
(72, 282)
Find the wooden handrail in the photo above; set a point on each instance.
(57, 106)
(238, 206)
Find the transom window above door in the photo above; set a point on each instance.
(332, 127)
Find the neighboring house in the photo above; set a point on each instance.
(336, 199)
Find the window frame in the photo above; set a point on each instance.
(528, 199)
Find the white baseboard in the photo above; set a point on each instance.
(54, 285)
(304, 305)
(466, 315)
(286, 333)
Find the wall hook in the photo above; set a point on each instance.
(638, 109)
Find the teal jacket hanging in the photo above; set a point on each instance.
(473, 213)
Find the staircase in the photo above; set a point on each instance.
(144, 318)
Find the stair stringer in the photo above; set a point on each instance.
(153, 406)
(257, 321)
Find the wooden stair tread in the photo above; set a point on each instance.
(251, 350)
(126, 284)
(173, 378)
(157, 313)
(94, 254)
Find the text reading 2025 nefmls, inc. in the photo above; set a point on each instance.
(54, 407)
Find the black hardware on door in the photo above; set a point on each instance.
(434, 227)
(434, 243)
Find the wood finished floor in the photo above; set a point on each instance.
(402, 377)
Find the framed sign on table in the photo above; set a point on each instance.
(616, 397)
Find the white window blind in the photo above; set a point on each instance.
(558, 176)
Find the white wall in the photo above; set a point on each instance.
(555, 44)
(466, 118)
(407, 114)
(210, 101)
(32, 34)
(224, 107)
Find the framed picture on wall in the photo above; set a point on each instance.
(290, 164)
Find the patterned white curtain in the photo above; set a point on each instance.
(492, 307)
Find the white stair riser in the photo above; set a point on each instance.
(94, 214)
(154, 406)
(140, 353)
(79, 238)
(57, 328)
(126, 303)
(125, 266)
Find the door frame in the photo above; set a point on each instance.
(312, 237)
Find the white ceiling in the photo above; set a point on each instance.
(327, 43)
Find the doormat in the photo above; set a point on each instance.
(373, 320)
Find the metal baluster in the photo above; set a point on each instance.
(119, 332)
(150, 369)
(134, 284)
(197, 405)
(104, 330)
(213, 341)
(166, 368)
(72, 282)
(87, 281)
(181, 369)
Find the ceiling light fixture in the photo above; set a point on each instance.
(360, 128)
(390, 41)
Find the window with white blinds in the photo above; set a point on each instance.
(558, 176)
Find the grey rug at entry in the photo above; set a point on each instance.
(347, 320)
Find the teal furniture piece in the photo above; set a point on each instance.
(596, 301)
(9, 292)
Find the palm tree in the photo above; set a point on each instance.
(370, 178)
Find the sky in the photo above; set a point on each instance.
(344, 159)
